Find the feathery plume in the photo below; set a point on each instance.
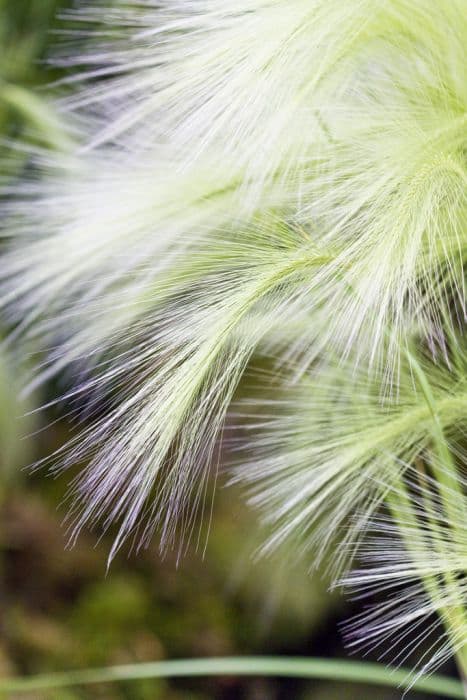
(415, 554)
(320, 446)
(240, 174)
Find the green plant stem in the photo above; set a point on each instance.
(293, 667)
(454, 619)
(445, 472)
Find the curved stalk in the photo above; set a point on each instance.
(287, 667)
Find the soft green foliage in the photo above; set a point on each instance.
(15, 448)
(23, 41)
(328, 442)
(367, 450)
(284, 178)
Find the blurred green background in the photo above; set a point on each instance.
(60, 608)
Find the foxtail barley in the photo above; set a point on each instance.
(275, 178)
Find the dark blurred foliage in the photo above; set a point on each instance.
(25, 32)
(60, 608)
